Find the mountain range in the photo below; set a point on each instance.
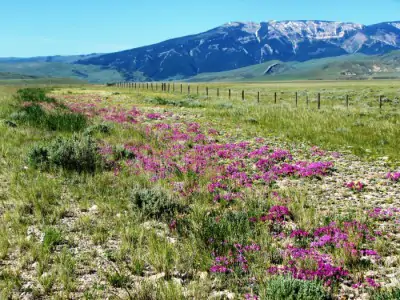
(279, 46)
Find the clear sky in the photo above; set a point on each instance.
(50, 27)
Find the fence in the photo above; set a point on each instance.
(244, 96)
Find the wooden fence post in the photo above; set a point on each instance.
(229, 94)
(307, 100)
(188, 89)
(258, 97)
(243, 95)
(275, 97)
(207, 92)
(181, 88)
(319, 100)
(296, 99)
(217, 92)
(380, 102)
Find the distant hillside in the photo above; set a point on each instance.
(8, 75)
(356, 66)
(54, 58)
(94, 74)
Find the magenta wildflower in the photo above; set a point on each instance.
(372, 283)
(355, 186)
(393, 176)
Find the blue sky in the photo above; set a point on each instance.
(48, 27)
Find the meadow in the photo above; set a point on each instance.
(123, 193)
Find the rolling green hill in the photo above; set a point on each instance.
(9, 76)
(357, 66)
(93, 74)
(54, 58)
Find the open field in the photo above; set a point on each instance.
(118, 193)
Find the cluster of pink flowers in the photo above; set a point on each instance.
(236, 259)
(355, 186)
(316, 151)
(190, 149)
(276, 214)
(382, 214)
(368, 282)
(350, 237)
(154, 116)
(304, 169)
(393, 176)
(299, 233)
(320, 266)
(334, 236)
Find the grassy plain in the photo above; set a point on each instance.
(200, 209)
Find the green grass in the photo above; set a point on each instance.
(110, 232)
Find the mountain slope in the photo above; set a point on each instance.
(237, 44)
(354, 66)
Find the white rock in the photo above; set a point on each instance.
(157, 277)
(94, 208)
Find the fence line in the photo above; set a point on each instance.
(166, 87)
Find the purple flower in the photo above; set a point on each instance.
(355, 186)
(393, 176)
(372, 283)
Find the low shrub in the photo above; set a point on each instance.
(58, 120)
(121, 153)
(10, 123)
(100, 128)
(287, 288)
(155, 203)
(158, 101)
(190, 102)
(78, 153)
(386, 294)
(233, 227)
(34, 95)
